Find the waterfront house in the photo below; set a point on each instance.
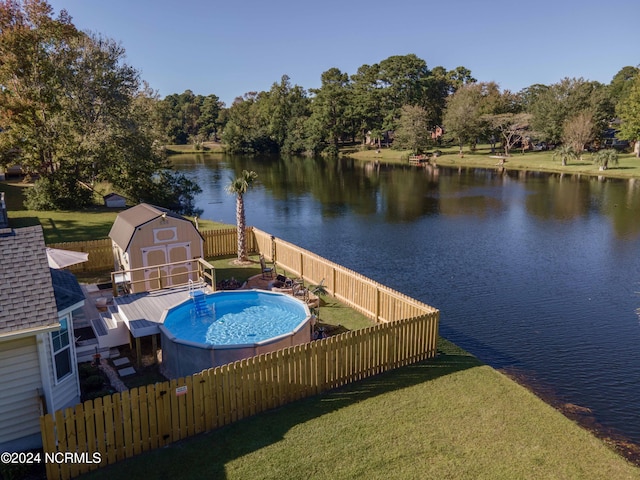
(38, 370)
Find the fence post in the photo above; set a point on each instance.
(333, 281)
(301, 265)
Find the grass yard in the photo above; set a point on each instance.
(207, 147)
(58, 226)
(543, 161)
(451, 417)
(66, 226)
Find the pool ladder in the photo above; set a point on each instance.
(199, 301)
(200, 304)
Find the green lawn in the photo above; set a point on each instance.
(451, 417)
(66, 226)
(207, 147)
(628, 165)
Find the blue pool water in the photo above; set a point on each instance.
(236, 318)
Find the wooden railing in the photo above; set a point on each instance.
(125, 424)
(197, 268)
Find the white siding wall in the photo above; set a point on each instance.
(66, 393)
(20, 406)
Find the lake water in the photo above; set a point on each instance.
(535, 273)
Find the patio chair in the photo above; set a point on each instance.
(267, 272)
(299, 290)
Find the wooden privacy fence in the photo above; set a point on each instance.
(100, 255)
(126, 424)
(223, 242)
(371, 298)
(217, 243)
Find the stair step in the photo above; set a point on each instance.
(109, 321)
(103, 324)
(100, 327)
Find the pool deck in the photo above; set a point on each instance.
(142, 312)
(258, 282)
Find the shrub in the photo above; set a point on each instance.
(99, 393)
(331, 151)
(607, 157)
(58, 191)
(86, 370)
(94, 382)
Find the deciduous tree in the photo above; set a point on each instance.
(513, 128)
(621, 83)
(68, 111)
(578, 130)
(629, 112)
(413, 132)
(552, 106)
(462, 115)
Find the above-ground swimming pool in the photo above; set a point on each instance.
(208, 330)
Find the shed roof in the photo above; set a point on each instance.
(27, 299)
(128, 220)
(113, 195)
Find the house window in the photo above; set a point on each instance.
(61, 351)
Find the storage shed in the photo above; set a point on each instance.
(144, 237)
(113, 200)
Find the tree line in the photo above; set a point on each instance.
(74, 113)
(402, 95)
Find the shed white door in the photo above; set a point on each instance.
(170, 274)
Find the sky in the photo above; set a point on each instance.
(229, 48)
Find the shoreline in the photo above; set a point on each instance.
(543, 162)
(580, 415)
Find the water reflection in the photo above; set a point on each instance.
(533, 272)
(405, 194)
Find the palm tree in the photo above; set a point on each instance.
(239, 187)
(565, 152)
(606, 157)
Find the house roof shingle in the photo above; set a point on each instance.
(26, 292)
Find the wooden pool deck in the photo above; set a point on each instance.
(142, 312)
